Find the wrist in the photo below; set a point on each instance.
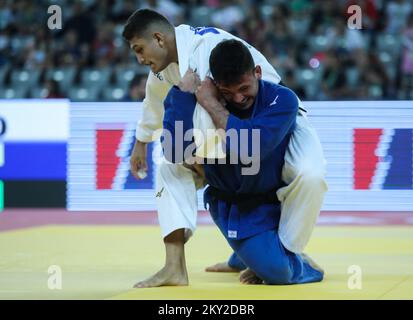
(186, 88)
(140, 142)
(212, 104)
(219, 114)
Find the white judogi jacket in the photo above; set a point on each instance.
(301, 201)
(194, 46)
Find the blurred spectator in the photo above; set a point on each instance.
(407, 60)
(252, 28)
(81, 23)
(53, 90)
(374, 81)
(168, 8)
(323, 15)
(290, 81)
(70, 52)
(136, 91)
(212, 3)
(103, 46)
(298, 6)
(293, 35)
(35, 55)
(122, 10)
(6, 16)
(342, 37)
(228, 15)
(279, 35)
(334, 78)
(397, 12)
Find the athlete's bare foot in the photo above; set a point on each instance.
(174, 272)
(221, 267)
(249, 277)
(167, 276)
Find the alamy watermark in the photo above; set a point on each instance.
(355, 280)
(55, 20)
(54, 281)
(237, 146)
(355, 20)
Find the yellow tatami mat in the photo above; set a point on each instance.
(104, 262)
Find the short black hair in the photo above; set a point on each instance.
(139, 22)
(229, 60)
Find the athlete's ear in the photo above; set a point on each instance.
(160, 38)
(258, 72)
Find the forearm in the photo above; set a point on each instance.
(218, 113)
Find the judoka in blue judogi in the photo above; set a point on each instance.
(243, 205)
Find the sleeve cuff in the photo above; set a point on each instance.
(145, 137)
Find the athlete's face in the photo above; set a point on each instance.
(151, 51)
(242, 94)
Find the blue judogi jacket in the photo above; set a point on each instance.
(274, 114)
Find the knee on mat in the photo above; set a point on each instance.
(278, 274)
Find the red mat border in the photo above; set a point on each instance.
(11, 219)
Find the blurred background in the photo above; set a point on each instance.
(307, 41)
(69, 97)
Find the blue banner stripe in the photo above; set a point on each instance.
(34, 161)
(400, 174)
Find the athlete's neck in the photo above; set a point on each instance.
(173, 49)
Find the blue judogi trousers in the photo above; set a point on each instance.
(265, 255)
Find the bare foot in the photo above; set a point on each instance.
(167, 276)
(249, 277)
(221, 267)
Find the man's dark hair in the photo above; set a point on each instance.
(140, 21)
(229, 60)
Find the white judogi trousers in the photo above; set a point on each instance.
(301, 200)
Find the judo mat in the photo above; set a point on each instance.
(365, 256)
